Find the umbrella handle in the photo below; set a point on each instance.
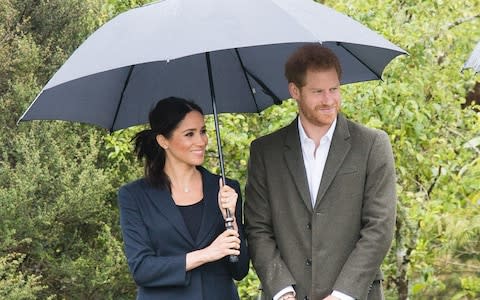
(229, 225)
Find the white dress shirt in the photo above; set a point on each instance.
(314, 160)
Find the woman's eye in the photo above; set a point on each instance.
(189, 134)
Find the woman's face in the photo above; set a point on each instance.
(188, 141)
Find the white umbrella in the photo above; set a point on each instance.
(473, 62)
(234, 50)
(226, 55)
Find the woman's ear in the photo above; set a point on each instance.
(162, 141)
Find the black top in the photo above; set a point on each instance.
(192, 215)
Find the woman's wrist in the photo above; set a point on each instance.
(196, 258)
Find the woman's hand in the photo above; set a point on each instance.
(227, 243)
(227, 199)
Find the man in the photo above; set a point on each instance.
(320, 196)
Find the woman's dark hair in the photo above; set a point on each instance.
(164, 119)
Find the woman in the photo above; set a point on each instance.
(172, 220)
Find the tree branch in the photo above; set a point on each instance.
(461, 21)
(430, 189)
(456, 23)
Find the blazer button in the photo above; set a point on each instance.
(305, 298)
(308, 262)
(309, 226)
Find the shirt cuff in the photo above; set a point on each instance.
(288, 289)
(341, 296)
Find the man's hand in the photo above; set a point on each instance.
(330, 297)
(288, 296)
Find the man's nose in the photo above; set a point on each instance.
(328, 97)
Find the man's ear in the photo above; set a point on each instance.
(294, 90)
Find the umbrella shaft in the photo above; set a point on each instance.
(215, 117)
(229, 219)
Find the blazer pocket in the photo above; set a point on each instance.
(346, 171)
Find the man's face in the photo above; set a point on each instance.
(319, 100)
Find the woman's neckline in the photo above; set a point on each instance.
(192, 204)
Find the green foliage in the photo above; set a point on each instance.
(111, 8)
(420, 105)
(14, 284)
(237, 131)
(56, 197)
(248, 288)
(59, 229)
(120, 157)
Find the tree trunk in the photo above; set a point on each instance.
(401, 280)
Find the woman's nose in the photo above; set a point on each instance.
(202, 140)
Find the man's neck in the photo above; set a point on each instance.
(314, 132)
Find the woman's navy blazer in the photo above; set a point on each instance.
(157, 240)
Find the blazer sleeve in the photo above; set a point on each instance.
(148, 269)
(378, 221)
(239, 269)
(272, 270)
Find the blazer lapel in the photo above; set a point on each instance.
(339, 148)
(166, 206)
(294, 159)
(211, 211)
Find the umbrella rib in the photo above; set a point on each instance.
(276, 99)
(358, 59)
(121, 97)
(246, 78)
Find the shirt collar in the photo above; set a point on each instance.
(328, 136)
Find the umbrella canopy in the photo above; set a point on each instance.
(230, 50)
(473, 61)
